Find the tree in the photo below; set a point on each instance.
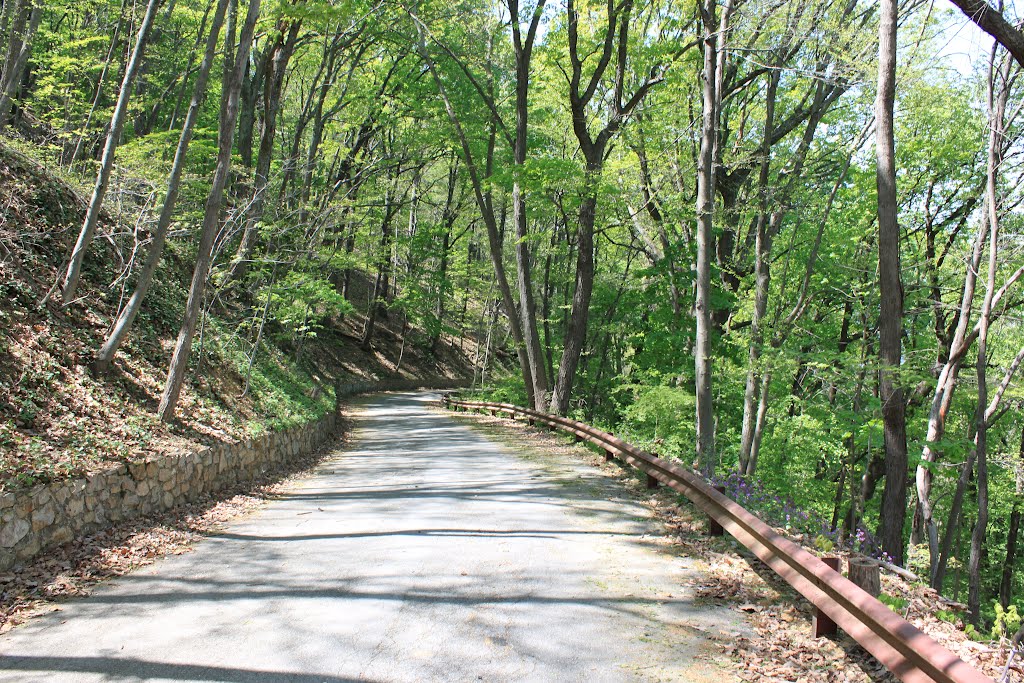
(125, 319)
(92, 214)
(18, 25)
(890, 322)
(711, 78)
(233, 66)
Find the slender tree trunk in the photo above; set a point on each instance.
(547, 293)
(616, 41)
(762, 279)
(997, 109)
(7, 10)
(380, 285)
(179, 99)
(942, 399)
(485, 204)
(705, 421)
(99, 87)
(448, 216)
(126, 318)
(894, 496)
(576, 332)
(24, 25)
(527, 306)
(211, 217)
(247, 106)
(951, 532)
(273, 76)
(1010, 560)
(74, 268)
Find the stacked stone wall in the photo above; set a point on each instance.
(50, 514)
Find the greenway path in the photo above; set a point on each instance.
(422, 551)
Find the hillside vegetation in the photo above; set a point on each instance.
(57, 419)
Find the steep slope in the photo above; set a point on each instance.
(57, 420)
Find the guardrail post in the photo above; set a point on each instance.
(578, 438)
(822, 624)
(608, 455)
(652, 482)
(714, 528)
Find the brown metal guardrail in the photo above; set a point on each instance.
(900, 646)
(343, 390)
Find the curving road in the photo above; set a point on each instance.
(422, 552)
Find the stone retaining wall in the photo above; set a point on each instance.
(50, 514)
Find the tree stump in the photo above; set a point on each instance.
(866, 574)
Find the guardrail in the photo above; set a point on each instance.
(343, 390)
(899, 645)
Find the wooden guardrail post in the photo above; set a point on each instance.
(652, 482)
(822, 624)
(714, 528)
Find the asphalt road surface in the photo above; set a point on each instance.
(423, 551)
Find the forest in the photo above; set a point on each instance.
(781, 240)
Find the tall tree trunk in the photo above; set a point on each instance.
(126, 318)
(705, 421)
(211, 217)
(581, 94)
(523, 49)
(762, 279)
(278, 56)
(448, 216)
(942, 399)
(1010, 560)
(997, 110)
(7, 10)
(484, 202)
(24, 24)
(576, 332)
(80, 138)
(247, 106)
(380, 284)
(894, 496)
(92, 214)
(951, 531)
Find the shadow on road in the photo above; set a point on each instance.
(115, 668)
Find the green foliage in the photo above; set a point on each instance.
(823, 544)
(894, 603)
(663, 416)
(302, 302)
(1006, 623)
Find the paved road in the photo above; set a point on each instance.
(422, 552)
